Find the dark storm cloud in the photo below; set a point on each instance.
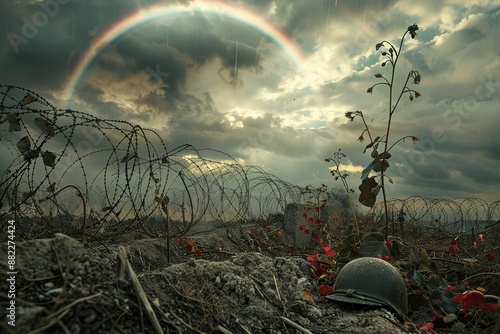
(165, 61)
(92, 96)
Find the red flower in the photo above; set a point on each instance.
(415, 139)
(329, 251)
(179, 241)
(480, 237)
(388, 244)
(325, 289)
(490, 256)
(361, 139)
(198, 252)
(489, 307)
(305, 215)
(386, 258)
(469, 299)
(312, 258)
(316, 208)
(310, 220)
(317, 238)
(190, 244)
(318, 222)
(309, 295)
(302, 227)
(307, 232)
(453, 246)
(427, 327)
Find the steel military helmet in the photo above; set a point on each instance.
(373, 282)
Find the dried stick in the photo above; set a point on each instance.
(296, 326)
(122, 256)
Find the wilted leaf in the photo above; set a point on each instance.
(390, 180)
(369, 90)
(384, 155)
(163, 200)
(24, 144)
(378, 46)
(367, 197)
(13, 120)
(128, 157)
(51, 188)
(366, 171)
(11, 117)
(411, 97)
(14, 126)
(45, 126)
(27, 195)
(27, 99)
(371, 144)
(49, 159)
(378, 75)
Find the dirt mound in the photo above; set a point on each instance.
(63, 287)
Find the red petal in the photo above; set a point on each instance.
(472, 298)
(329, 251)
(427, 327)
(488, 307)
(325, 289)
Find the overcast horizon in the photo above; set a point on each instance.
(269, 82)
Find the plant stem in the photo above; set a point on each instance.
(391, 111)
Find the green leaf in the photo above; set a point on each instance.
(373, 244)
(371, 144)
(449, 318)
(416, 276)
(366, 171)
(415, 256)
(425, 259)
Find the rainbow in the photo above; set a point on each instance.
(142, 16)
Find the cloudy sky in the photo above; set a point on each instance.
(269, 82)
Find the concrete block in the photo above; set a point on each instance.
(294, 218)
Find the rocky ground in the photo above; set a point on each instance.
(211, 286)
